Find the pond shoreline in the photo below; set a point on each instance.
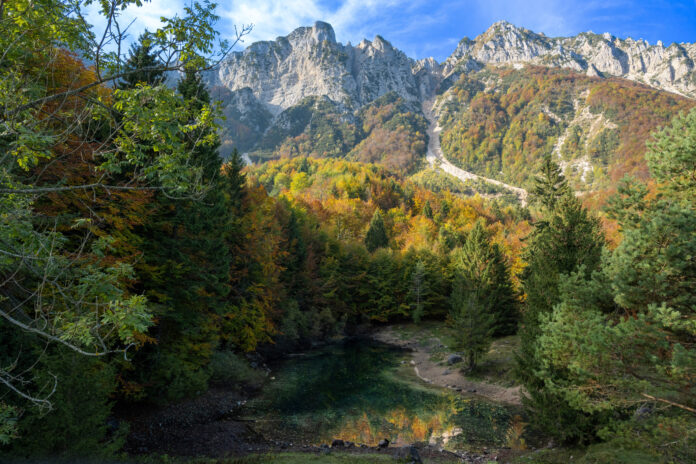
(450, 377)
(214, 424)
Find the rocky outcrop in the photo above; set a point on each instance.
(669, 68)
(268, 86)
(309, 62)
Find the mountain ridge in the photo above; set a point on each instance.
(306, 94)
(344, 72)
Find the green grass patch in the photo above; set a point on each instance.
(496, 367)
(498, 364)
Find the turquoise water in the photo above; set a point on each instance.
(363, 391)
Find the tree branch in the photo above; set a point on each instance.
(671, 403)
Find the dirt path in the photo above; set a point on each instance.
(437, 159)
(445, 376)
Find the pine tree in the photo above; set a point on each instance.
(185, 270)
(482, 264)
(235, 180)
(419, 291)
(428, 210)
(142, 66)
(472, 321)
(626, 335)
(550, 185)
(565, 240)
(376, 235)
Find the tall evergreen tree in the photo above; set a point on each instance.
(142, 65)
(472, 321)
(185, 270)
(482, 264)
(377, 234)
(419, 291)
(626, 336)
(565, 240)
(550, 185)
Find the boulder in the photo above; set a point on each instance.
(408, 454)
(453, 359)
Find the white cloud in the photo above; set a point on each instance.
(419, 27)
(137, 18)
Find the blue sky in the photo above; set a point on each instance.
(424, 28)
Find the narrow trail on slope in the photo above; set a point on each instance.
(429, 371)
(437, 159)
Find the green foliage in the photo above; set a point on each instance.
(77, 425)
(650, 276)
(566, 240)
(671, 157)
(483, 267)
(8, 423)
(612, 336)
(472, 322)
(142, 65)
(376, 236)
(229, 368)
(185, 271)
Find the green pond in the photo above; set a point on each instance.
(363, 391)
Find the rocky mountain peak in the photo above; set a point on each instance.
(318, 33)
(310, 62)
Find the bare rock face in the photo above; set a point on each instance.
(309, 62)
(668, 68)
(260, 86)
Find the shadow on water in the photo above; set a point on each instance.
(363, 391)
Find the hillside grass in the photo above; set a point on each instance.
(497, 365)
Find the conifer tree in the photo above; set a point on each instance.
(419, 291)
(142, 65)
(471, 320)
(482, 264)
(376, 235)
(626, 336)
(550, 185)
(565, 240)
(428, 210)
(185, 270)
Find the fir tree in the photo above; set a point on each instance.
(376, 235)
(565, 240)
(142, 65)
(428, 210)
(550, 185)
(185, 269)
(419, 291)
(482, 264)
(471, 320)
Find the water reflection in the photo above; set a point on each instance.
(363, 391)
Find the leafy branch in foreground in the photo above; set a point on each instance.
(78, 159)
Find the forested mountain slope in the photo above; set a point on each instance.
(500, 122)
(504, 101)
